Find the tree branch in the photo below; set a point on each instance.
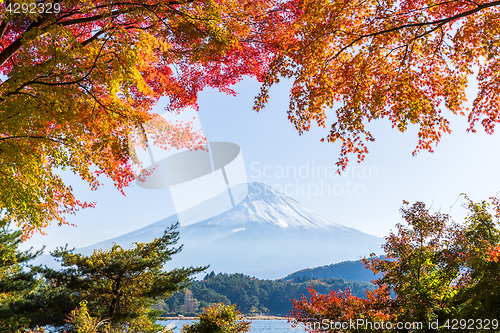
(15, 46)
(439, 23)
(34, 137)
(91, 39)
(34, 81)
(96, 17)
(3, 27)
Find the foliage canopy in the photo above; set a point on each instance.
(78, 81)
(434, 271)
(407, 61)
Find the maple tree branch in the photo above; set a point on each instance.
(3, 27)
(421, 9)
(439, 23)
(114, 13)
(178, 12)
(34, 81)
(94, 97)
(437, 49)
(140, 28)
(60, 141)
(95, 17)
(10, 116)
(77, 80)
(15, 46)
(94, 37)
(473, 2)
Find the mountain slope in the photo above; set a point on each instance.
(348, 270)
(267, 235)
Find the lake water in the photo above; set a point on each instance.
(258, 326)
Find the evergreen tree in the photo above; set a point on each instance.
(15, 282)
(118, 285)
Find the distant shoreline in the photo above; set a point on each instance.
(244, 317)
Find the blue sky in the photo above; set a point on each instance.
(367, 197)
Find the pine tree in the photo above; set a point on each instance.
(119, 285)
(15, 281)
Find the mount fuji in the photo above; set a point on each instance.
(267, 235)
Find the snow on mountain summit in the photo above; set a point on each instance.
(264, 206)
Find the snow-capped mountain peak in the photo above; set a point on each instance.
(266, 206)
(267, 235)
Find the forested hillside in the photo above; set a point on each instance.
(348, 270)
(251, 295)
